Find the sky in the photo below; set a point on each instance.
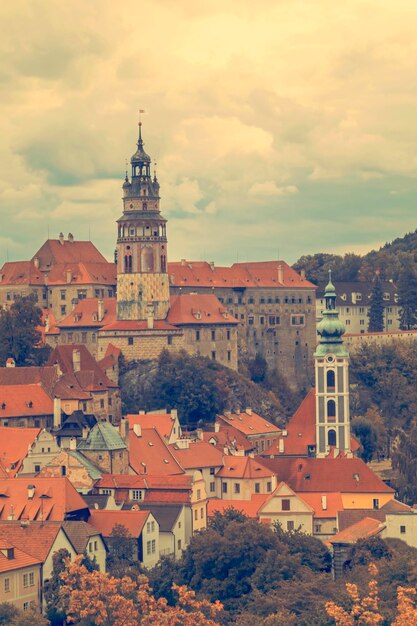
(279, 127)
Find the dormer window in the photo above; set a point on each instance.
(387, 296)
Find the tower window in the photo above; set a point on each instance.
(128, 264)
(330, 379)
(331, 408)
(331, 437)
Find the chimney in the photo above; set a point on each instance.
(137, 430)
(57, 413)
(324, 503)
(303, 274)
(124, 430)
(212, 266)
(73, 443)
(281, 445)
(47, 323)
(10, 362)
(61, 238)
(70, 237)
(174, 414)
(31, 491)
(183, 262)
(216, 427)
(76, 360)
(69, 277)
(248, 411)
(199, 434)
(280, 273)
(36, 262)
(100, 310)
(182, 444)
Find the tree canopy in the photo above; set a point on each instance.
(19, 333)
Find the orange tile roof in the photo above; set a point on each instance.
(148, 454)
(85, 314)
(111, 358)
(163, 422)
(249, 507)
(333, 505)
(24, 400)
(90, 377)
(14, 446)
(243, 467)
(105, 521)
(35, 538)
(53, 500)
(366, 527)
(199, 454)
(170, 497)
(249, 423)
(20, 560)
(346, 475)
(301, 431)
(226, 436)
(198, 309)
(135, 481)
(257, 274)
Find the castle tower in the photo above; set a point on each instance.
(142, 279)
(332, 381)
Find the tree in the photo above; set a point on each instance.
(19, 334)
(54, 608)
(367, 434)
(376, 308)
(121, 559)
(404, 460)
(369, 550)
(258, 369)
(8, 612)
(407, 296)
(311, 551)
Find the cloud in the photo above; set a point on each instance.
(270, 188)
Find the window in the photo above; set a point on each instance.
(63, 310)
(136, 494)
(179, 544)
(251, 300)
(402, 531)
(317, 528)
(195, 515)
(262, 319)
(297, 320)
(90, 547)
(31, 579)
(347, 322)
(213, 335)
(228, 335)
(37, 468)
(213, 355)
(269, 486)
(229, 355)
(26, 580)
(331, 408)
(202, 513)
(153, 527)
(257, 487)
(331, 438)
(224, 487)
(212, 471)
(330, 379)
(169, 340)
(63, 294)
(197, 335)
(148, 527)
(101, 404)
(148, 547)
(130, 341)
(375, 503)
(26, 606)
(236, 487)
(82, 294)
(6, 585)
(212, 487)
(198, 494)
(362, 322)
(95, 546)
(250, 321)
(290, 525)
(84, 337)
(286, 504)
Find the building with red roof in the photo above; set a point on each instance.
(203, 457)
(342, 542)
(61, 272)
(274, 305)
(256, 429)
(149, 454)
(242, 476)
(167, 424)
(20, 576)
(141, 526)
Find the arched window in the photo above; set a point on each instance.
(331, 437)
(331, 408)
(163, 263)
(128, 264)
(144, 205)
(147, 260)
(330, 379)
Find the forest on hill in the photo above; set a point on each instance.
(390, 261)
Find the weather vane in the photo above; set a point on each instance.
(140, 115)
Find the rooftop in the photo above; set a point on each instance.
(248, 423)
(103, 436)
(243, 467)
(105, 521)
(148, 454)
(197, 454)
(198, 309)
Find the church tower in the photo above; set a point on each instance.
(332, 381)
(142, 278)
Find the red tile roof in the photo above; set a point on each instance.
(90, 377)
(249, 423)
(148, 454)
(198, 309)
(346, 475)
(111, 358)
(332, 504)
(301, 431)
(228, 437)
(20, 560)
(170, 497)
(53, 500)
(134, 481)
(35, 538)
(249, 507)
(163, 422)
(24, 401)
(14, 446)
(105, 521)
(257, 274)
(85, 314)
(243, 467)
(366, 527)
(199, 454)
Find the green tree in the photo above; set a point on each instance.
(19, 334)
(55, 610)
(366, 551)
(404, 460)
(8, 612)
(311, 551)
(258, 369)
(407, 296)
(376, 308)
(367, 434)
(121, 558)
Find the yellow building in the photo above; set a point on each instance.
(20, 577)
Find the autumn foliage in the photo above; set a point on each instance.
(364, 611)
(99, 599)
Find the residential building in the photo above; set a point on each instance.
(341, 543)
(402, 525)
(257, 430)
(38, 453)
(175, 525)
(20, 577)
(242, 476)
(167, 424)
(17, 443)
(87, 540)
(149, 454)
(79, 470)
(141, 526)
(105, 448)
(353, 302)
(354, 341)
(62, 272)
(203, 457)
